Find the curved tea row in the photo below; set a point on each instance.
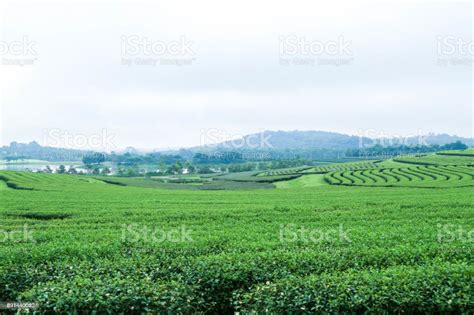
(416, 176)
(342, 167)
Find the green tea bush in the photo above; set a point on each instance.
(430, 289)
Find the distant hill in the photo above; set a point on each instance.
(445, 139)
(33, 150)
(312, 145)
(309, 140)
(277, 144)
(302, 140)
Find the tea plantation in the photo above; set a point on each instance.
(374, 237)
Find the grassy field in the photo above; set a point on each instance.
(352, 240)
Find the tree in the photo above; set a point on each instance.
(61, 169)
(171, 170)
(178, 167)
(89, 168)
(93, 158)
(48, 169)
(105, 171)
(205, 170)
(15, 158)
(162, 167)
(132, 172)
(458, 145)
(72, 170)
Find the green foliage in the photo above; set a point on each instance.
(285, 171)
(72, 170)
(368, 164)
(184, 183)
(400, 289)
(74, 295)
(252, 176)
(93, 158)
(394, 150)
(392, 260)
(61, 169)
(466, 152)
(433, 176)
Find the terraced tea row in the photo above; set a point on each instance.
(252, 176)
(414, 176)
(342, 167)
(284, 171)
(40, 181)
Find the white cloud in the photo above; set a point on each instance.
(235, 81)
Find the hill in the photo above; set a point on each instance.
(332, 140)
(258, 146)
(33, 150)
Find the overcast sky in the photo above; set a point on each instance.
(378, 67)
